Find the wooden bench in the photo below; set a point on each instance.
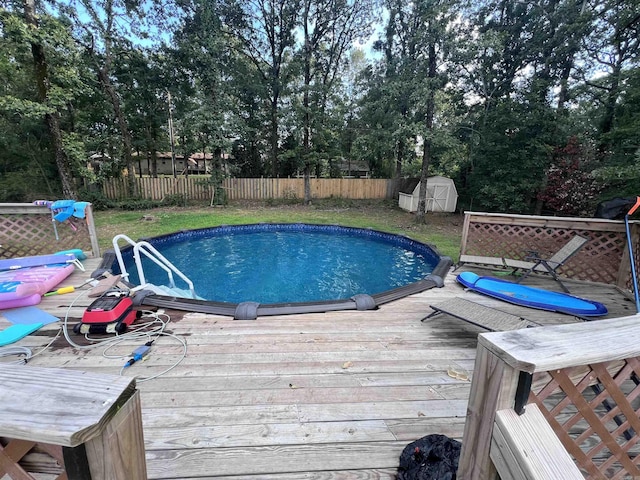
(91, 424)
(525, 447)
(480, 315)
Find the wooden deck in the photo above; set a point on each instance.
(332, 396)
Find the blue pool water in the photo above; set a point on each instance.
(290, 263)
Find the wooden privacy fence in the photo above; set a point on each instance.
(254, 188)
(605, 257)
(27, 229)
(540, 393)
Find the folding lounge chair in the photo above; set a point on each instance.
(489, 318)
(532, 262)
(541, 265)
(495, 262)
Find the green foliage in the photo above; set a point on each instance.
(215, 181)
(512, 83)
(97, 199)
(175, 200)
(39, 81)
(24, 108)
(138, 204)
(510, 160)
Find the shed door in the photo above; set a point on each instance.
(437, 198)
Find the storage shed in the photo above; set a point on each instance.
(442, 196)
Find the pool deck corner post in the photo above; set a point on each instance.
(493, 388)
(93, 234)
(94, 429)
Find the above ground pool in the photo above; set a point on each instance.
(265, 269)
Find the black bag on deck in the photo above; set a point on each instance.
(434, 457)
(615, 209)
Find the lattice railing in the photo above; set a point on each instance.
(603, 259)
(22, 459)
(595, 416)
(583, 377)
(27, 229)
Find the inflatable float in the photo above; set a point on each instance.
(531, 297)
(24, 280)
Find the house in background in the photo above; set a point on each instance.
(353, 168)
(197, 164)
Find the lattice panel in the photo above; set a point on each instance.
(21, 458)
(594, 413)
(35, 234)
(598, 261)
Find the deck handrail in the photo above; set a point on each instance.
(563, 363)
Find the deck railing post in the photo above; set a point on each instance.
(493, 388)
(565, 360)
(96, 419)
(93, 234)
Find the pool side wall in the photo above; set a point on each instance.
(252, 310)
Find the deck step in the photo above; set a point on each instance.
(169, 291)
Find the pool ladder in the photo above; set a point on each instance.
(149, 251)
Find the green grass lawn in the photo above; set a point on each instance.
(441, 230)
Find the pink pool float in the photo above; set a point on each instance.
(24, 280)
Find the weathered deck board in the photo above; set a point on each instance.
(321, 396)
(273, 459)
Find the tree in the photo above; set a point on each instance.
(142, 85)
(104, 28)
(52, 118)
(418, 44)
(382, 125)
(51, 90)
(263, 32)
(613, 46)
(205, 67)
(524, 55)
(621, 171)
(571, 188)
(329, 29)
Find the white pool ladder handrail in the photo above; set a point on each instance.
(152, 254)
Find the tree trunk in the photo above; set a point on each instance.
(306, 122)
(606, 124)
(307, 184)
(152, 154)
(426, 156)
(103, 76)
(399, 156)
(274, 136)
(52, 119)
